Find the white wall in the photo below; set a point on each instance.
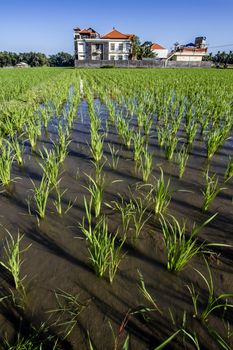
(115, 57)
(116, 52)
(187, 58)
(160, 53)
(81, 47)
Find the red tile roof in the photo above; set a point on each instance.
(157, 47)
(115, 34)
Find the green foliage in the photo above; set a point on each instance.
(61, 59)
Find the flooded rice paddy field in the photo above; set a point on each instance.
(114, 260)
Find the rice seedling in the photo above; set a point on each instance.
(6, 161)
(182, 158)
(62, 144)
(204, 124)
(146, 294)
(96, 190)
(180, 247)
(138, 143)
(13, 255)
(147, 124)
(214, 302)
(9, 126)
(140, 117)
(229, 171)
(211, 190)
(214, 140)
(127, 136)
(191, 131)
(32, 135)
(18, 150)
(170, 145)
(104, 252)
(50, 165)
(37, 338)
(115, 157)
(146, 164)
(88, 210)
(41, 194)
(45, 114)
(139, 214)
(120, 123)
(162, 133)
(69, 308)
(111, 111)
(160, 194)
(126, 210)
(186, 334)
(96, 148)
(58, 199)
(115, 256)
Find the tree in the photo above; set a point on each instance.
(135, 51)
(61, 59)
(220, 58)
(146, 51)
(34, 59)
(139, 50)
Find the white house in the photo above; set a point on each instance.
(192, 52)
(159, 51)
(22, 65)
(89, 45)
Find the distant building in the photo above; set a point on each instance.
(190, 52)
(22, 65)
(159, 51)
(89, 45)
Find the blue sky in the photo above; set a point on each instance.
(47, 26)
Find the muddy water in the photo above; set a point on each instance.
(58, 256)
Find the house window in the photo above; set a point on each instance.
(120, 47)
(120, 57)
(112, 47)
(112, 57)
(128, 46)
